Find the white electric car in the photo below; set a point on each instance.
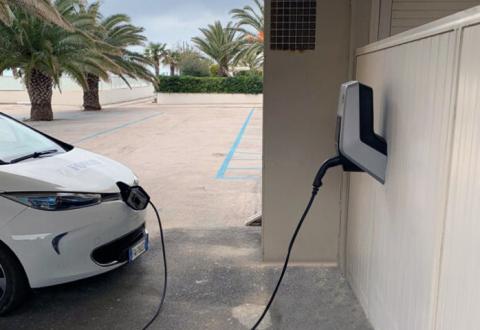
(63, 215)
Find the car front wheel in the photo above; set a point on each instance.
(14, 286)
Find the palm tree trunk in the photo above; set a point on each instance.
(172, 70)
(157, 69)
(91, 97)
(40, 90)
(223, 71)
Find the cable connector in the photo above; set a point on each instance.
(332, 162)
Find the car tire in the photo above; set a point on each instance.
(14, 287)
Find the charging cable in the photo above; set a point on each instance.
(332, 162)
(162, 300)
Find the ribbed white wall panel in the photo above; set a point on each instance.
(395, 230)
(459, 300)
(407, 14)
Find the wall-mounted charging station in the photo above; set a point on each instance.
(357, 141)
(359, 149)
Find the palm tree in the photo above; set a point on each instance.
(252, 60)
(41, 8)
(43, 52)
(172, 59)
(250, 22)
(250, 17)
(113, 35)
(155, 52)
(221, 44)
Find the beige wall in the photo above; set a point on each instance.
(300, 102)
(413, 243)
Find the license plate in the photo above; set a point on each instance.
(138, 249)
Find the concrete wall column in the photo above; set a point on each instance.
(300, 104)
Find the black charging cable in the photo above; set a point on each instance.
(332, 162)
(162, 301)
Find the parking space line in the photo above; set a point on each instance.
(239, 178)
(223, 168)
(114, 129)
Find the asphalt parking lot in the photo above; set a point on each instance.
(202, 166)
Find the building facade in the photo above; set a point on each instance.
(409, 247)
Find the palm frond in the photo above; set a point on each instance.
(41, 8)
(219, 43)
(250, 23)
(6, 15)
(250, 17)
(96, 45)
(113, 20)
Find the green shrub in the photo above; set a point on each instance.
(212, 85)
(214, 69)
(248, 73)
(191, 64)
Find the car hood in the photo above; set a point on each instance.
(75, 171)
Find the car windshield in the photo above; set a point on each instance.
(17, 140)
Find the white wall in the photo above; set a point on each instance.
(413, 244)
(125, 94)
(390, 17)
(116, 90)
(407, 14)
(9, 83)
(186, 98)
(165, 70)
(459, 300)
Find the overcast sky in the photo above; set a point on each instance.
(173, 21)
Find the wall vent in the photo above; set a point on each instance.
(293, 24)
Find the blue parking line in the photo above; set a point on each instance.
(239, 178)
(111, 130)
(231, 153)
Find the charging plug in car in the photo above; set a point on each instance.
(134, 196)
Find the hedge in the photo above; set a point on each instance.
(252, 84)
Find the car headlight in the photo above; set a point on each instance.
(56, 201)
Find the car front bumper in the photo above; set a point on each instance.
(58, 247)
